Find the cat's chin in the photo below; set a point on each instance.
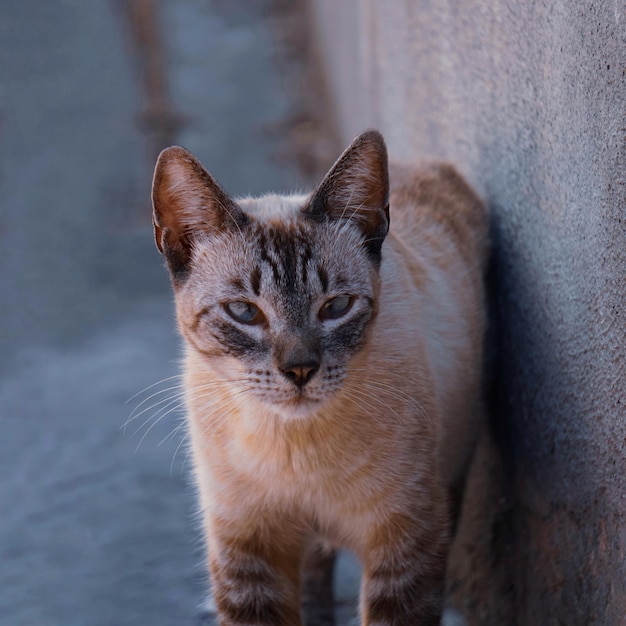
(297, 408)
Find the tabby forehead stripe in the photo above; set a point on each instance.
(306, 255)
(322, 274)
(288, 253)
(265, 256)
(255, 280)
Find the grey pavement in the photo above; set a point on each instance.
(98, 524)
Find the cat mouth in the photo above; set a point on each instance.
(295, 404)
(297, 408)
(300, 399)
(300, 402)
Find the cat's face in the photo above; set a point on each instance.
(277, 293)
(287, 304)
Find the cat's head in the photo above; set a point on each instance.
(277, 294)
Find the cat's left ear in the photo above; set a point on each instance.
(357, 189)
(187, 202)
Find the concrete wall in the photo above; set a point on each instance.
(529, 100)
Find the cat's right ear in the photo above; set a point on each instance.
(356, 189)
(187, 202)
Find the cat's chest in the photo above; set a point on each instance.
(284, 464)
(293, 464)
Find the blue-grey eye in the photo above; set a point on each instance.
(336, 307)
(244, 312)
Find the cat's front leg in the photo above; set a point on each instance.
(404, 574)
(318, 604)
(255, 580)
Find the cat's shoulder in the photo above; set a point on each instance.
(432, 182)
(434, 195)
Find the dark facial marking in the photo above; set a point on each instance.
(306, 254)
(351, 334)
(236, 341)
(198, 317)
(286, 247)
(177, 263)
(212, 354)
(237, 283)
(288, 253)
(341, 282)
(323, 276)
(255, 280)
(263, 250)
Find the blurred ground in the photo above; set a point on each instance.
(97, 524)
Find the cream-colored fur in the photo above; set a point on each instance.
(372, 466)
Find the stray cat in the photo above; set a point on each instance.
(332, 377)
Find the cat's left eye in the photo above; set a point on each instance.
(244, 312)
(336, 307)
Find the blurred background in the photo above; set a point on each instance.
(97, 521)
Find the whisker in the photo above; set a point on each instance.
(396, 374)
(176, 400)
(174, 408)
(158, 382)
(171, 435)
(134, 416)
(398, 394)
(182, 467)
(186, 392)
(394, 392)
(226, 402)
(361, 400)
(176, 452)
(345, 208)
(358, 394)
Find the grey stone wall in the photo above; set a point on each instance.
(528, 99)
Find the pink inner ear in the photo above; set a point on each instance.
(357, 186)
(187, 199)
(180, 195)
(360, 187)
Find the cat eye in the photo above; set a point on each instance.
(336, 307)
(244, 312)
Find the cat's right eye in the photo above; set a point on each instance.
(336, 307)
(244, 312)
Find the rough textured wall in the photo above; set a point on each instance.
(529, 100)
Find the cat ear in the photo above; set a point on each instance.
(357, 188)
(187, 201)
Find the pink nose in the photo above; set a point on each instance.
(300, 373)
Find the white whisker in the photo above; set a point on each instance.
(134, 416)
(158, 382)
(175, 453)
(171, 435)
(174, 408)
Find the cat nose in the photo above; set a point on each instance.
(300, 373)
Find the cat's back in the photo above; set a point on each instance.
(438, 239)
(432, 201)
(436, 254)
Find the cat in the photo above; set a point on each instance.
(333, 355)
